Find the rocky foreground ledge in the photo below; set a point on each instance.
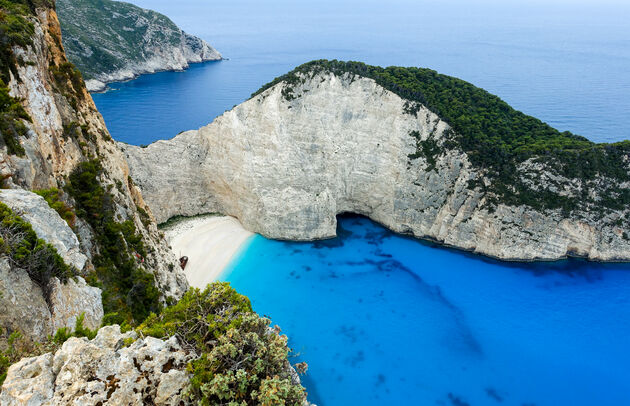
(325, 140)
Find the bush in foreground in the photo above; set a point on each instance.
(241, 360)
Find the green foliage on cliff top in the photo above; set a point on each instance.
(103, 36)
(495, 136)
(240, 360)
(129, 291)
(19, 243)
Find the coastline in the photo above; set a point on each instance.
(211, 242)
(96, 86)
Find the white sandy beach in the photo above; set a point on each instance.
(209, 242)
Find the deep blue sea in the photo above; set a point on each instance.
(386, 320)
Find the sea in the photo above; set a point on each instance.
(383, 319)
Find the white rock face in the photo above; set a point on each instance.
(285, 169)
(101, 371)
(46, 223)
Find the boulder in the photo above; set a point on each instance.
(47, 223)
(108, 369)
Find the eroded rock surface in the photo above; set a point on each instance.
(65, 130)
(106, 370)
(22, 304)
(46, 223)
(287, 161)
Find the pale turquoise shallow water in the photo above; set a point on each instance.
(386, 320)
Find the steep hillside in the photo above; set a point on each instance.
(422, 153)
(58, 140)
(87, 221)
(113, 41)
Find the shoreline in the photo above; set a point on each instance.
(104, 88)
(211, 243)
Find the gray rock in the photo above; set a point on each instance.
(82, 372)
(46, 223)
(22, 304)
(70, 300)
(51, 154)
(286, 168)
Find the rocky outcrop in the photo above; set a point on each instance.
(72, 299)
(66, 129)
(290, 159)
(24, 308)
(113, 368)
(111, 41)
(46, 223)
(22, 304)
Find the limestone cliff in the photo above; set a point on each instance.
(112, 41)
(57, 130)
(318, 143)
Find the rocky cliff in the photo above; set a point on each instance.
(113, 41)
(325, 140)
(50, 131)
(87, 221)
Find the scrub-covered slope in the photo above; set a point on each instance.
(112, 41)
(422, 153)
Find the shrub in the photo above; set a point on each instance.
(129, 291)
(240, 359)
(19, 243)
(53, 198)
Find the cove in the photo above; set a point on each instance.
(382, 319)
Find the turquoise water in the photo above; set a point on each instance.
(386, 320)
(566, 62)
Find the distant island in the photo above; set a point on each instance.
(112, 41)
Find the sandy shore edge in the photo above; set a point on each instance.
(210, 242)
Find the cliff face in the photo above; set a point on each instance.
(290, 159)
(63, 130)
(113, 41)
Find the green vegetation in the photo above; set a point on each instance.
(53, 198)
(496, 137)
(19, 243)
(129, 292)
(99, 26)
(64, 333)
(11, 125)
(241, 362)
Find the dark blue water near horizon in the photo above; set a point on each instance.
(382, 319)
(565, 62)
